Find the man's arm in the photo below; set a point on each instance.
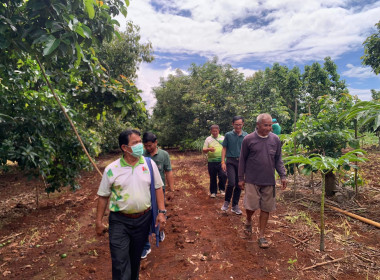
(224, 151)
(279, 165)
(206, 149)
(242, 161)
(161, 219)
(169, 180)
(100, 210)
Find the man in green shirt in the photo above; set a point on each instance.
(162, 160)
(231, 150)
(213, 147)
(276, 128)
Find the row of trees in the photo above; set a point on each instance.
(213, 93)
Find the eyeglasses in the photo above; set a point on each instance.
(237, 124)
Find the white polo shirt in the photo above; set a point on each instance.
(129, 186)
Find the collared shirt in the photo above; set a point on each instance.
(232, 142)
(162, 160)
(216, 143)
(128, 186)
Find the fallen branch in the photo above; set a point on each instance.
(324, 263)
(9, 237)
(301, 242)
(363, 258)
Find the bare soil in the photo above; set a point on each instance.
(57, 240)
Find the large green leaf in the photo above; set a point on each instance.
(51, 44)
(89, 4)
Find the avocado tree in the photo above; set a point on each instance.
(326, 165)
(65, 37)
(325, 134)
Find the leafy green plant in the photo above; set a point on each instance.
(291, 264)
(325, 165)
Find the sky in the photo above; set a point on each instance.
(251, 35)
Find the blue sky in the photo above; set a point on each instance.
(253, 34)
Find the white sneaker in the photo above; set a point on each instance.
(213, 195)
(145, 253)
(236, 210)
(222, 193)
(225, 206)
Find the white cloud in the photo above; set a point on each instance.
(358, 72)
(247, 72)
(272, 30)
(363, 94)
(148, 78)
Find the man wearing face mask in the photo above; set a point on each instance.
(126, 183)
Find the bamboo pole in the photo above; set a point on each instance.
(360, 218)
(352, 215)
(68, 118)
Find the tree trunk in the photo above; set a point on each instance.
(330, 184)
(322, 240)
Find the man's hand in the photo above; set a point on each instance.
(100, 228)
(212, 149)
(241, 185)
(283, 184)
(224, 167)
(161, 219)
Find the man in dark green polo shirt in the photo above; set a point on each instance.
(162, 160)
(231, 150)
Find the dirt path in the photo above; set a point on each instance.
(57, 241)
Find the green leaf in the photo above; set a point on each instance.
(51, 45)
(90, 8)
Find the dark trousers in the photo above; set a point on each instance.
(127, 238)
(216, 172)
(232, 185)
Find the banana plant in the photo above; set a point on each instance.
(324, 165)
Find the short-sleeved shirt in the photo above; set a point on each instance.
(216, 143)
(276, 128)
(232, 142)
(129, 186)
(162, 160)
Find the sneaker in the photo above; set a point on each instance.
(222, 193)
(145, 253)
(225, 206)
(213, 195)
(161, 236)
(236, 210)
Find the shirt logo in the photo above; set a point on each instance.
(145, 170)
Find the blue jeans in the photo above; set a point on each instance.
(232, 165)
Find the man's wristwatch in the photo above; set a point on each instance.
(162, 211)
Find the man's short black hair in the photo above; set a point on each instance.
(124, 136)
(236, 118)
(149, 137)
(214, 126)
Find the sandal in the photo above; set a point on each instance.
(263, 243)
(248, 229)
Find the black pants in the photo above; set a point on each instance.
(216, 172)
(127, 238)
(232, 185)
